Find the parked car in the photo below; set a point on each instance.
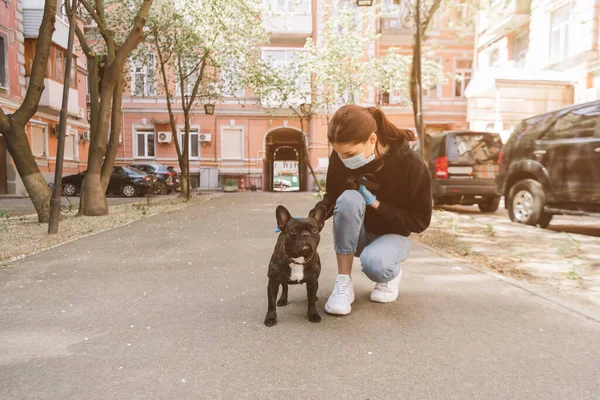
(551, 165)
(126, 181)
(463, 167)
(165, 181)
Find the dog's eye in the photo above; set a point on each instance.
(315, 230)
(294, 231)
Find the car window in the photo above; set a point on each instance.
(133, 171)
(579, 123)
(473, 147)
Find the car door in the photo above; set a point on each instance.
(116, 178)
(567, 152)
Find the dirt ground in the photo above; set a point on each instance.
(567, 264)
(23, 235)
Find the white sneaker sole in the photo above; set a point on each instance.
(381, 297)
(344, 311)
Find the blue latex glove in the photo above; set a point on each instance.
(277, 230)
(366, 194)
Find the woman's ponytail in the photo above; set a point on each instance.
(386, 131)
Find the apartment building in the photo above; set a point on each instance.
(240, 140)
(533, 56)
(19, 26)
(243, 142)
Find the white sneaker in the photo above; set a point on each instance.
(342, 296)
(386, 292)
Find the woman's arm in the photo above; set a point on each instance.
(417, 218)
(334, 185)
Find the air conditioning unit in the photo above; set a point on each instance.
(164, 137)
(88, 98)
(80, 112)
(85, 136)
(205, 137)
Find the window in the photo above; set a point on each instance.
(38, 140)
(520, 46)
(560, 40)
(194, 142)
(3, 62)
(300, 7)
(285, 59)
(231, 71)
(73, 76)
(232, 144)
(580, 123)
(143, 74)
(463, 73)
(71, 145)
(495, 58)
(145, 142)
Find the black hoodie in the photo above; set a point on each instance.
(404, 191)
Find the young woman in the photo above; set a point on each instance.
(378, 192)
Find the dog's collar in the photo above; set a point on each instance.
(292, 261)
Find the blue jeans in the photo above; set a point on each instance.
(380, 256)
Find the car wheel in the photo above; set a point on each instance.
(128, 190)
(490, 205)
(526, 202)
(69, 189)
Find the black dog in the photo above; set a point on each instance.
(295, 260)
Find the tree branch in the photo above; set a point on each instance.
(430, 14)
(136, 35)
(38, 71)
(163, 71)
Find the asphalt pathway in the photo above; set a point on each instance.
(172, 307)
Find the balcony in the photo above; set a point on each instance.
(393, 31)
(503, 17)
(289, 28)
(51, 99)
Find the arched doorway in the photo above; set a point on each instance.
(285, 167)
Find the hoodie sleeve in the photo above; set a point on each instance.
(417, 217)
(334, 185)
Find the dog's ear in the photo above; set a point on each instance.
(283, 216)
(319, 215)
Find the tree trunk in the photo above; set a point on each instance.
(185, 178)
(115, 133)
(37, 188)
(93, 195)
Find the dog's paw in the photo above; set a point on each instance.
(282, 302)
(270, 320)
(314, 318)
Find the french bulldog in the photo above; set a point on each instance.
(295, 260)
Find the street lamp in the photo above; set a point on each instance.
(364, 3)
(209, 109)
(305, 108)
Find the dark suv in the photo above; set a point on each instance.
(463, 167)
(551, 165)
(165, 178)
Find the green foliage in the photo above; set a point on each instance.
(230, 182)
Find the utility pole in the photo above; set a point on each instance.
(55, 204)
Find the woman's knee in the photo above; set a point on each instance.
(350, 202)
(378, 268)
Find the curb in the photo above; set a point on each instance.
(555, 300)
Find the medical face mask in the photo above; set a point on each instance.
(358, 160)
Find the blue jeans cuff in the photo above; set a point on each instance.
(344, 252)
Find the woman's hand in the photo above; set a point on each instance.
(367, 195)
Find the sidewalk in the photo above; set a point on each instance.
(172, 307)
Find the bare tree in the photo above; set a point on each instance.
(107, 45)
(12, 126)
